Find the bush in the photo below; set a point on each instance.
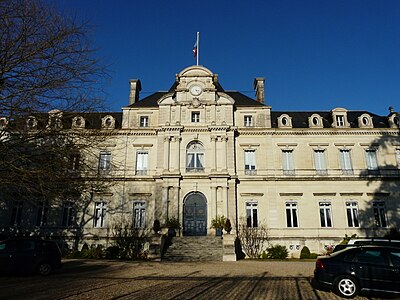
(264, 255)
(112, 252)
(277, 252)
(305, 253)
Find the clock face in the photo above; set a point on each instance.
(195, 90)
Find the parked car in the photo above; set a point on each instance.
(371, 241)
(364, 268)
(32, 255)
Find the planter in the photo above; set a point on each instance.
(218, 231)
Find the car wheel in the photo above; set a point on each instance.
(346, 286)
(44, 268)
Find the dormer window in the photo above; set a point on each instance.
(339, 116)
(339, 121)
(315, 121)
(31, 123)
(365, 121)
(3, 122)
(394, 121)
(78, 122)
(284, 121)
(108, 122)
(196, 117)
(248, 121)
(144, 121)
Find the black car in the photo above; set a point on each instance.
(29, 255)
(364, 268)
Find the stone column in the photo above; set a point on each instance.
(225, 204)
(166, 153)
(164, 204)
(213, 206)
(225, 153)
(213, 154)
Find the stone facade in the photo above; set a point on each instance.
(198, 151)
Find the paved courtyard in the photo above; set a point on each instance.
(87, 279)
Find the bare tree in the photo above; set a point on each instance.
(49, 74)
(46, 61)
(253, 239)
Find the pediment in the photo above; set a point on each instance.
(195, 71)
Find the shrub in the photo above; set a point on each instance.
(277, 252)
(112, 252)
(218, 222)
(173, 223)
(264, 255)
(305, 253)
(228, 226)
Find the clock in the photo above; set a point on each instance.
(195, 90)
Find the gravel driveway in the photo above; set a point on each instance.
(88, 279)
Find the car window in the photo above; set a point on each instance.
(395, 258)
(2, 246)
(27, 245)
(375, 257)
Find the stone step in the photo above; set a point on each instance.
(202, 248)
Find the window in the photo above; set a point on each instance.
(100, 209)
(252, 214)
(291, 214)
(68, 217)
(325, 214)
(42, 212)
(144, 121)
(371, 160)
(345, 162)
(340, 121)
(319, 161)
(287, 162)
(248, 121)
(104, 162)
(398, 157)
(250, 162)
(139, 214)
(195, 117)
(16, 213)
(141, 162)
(352, 214)
(195, 157)
(380, 214)
(395, 257)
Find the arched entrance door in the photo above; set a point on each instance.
(195, 215)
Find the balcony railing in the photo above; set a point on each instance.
(141, 172)
(194, 170)
(250, 172)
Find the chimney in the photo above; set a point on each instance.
(259, 88)
(135, 88)
(391, 109)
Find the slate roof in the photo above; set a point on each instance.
(240, 99)
(300, 118)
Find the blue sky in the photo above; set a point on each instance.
(315, 55)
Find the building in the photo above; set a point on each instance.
(198, 151)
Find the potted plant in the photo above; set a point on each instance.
(228, 226)
(218, 224)
(156, 226)
(172, 224)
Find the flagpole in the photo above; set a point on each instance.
(198, 48)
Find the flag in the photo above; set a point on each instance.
(195, 49)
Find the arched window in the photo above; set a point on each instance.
(195, 157)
